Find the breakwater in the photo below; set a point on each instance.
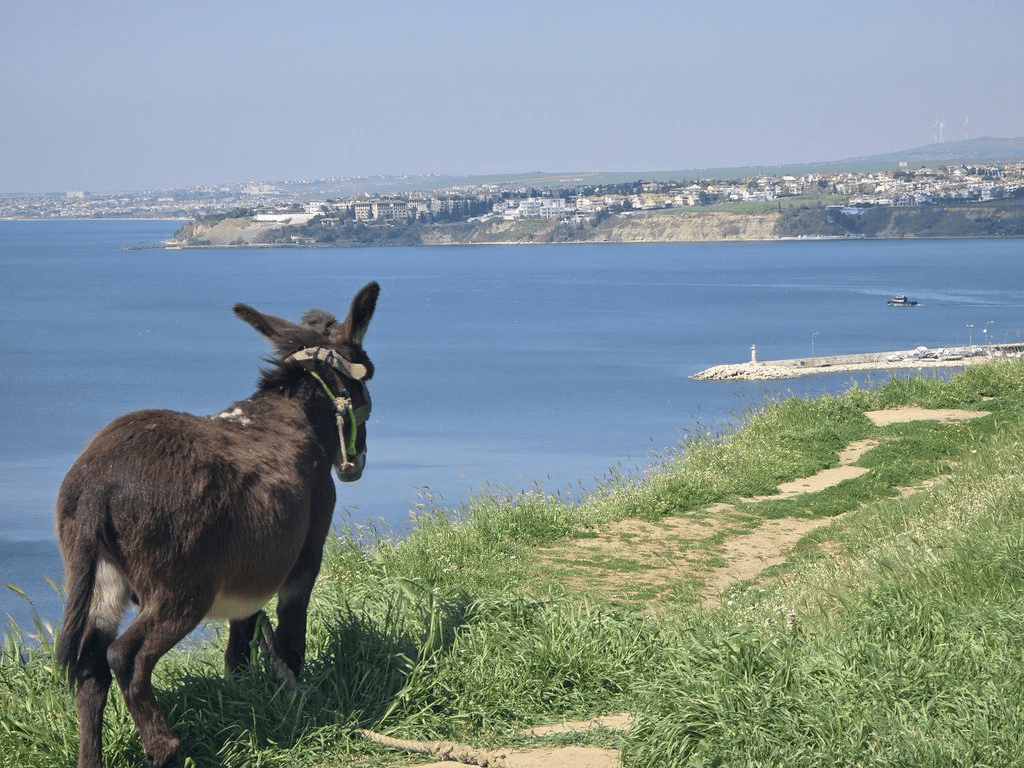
(919, 357)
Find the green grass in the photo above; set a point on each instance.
(524, 229)
(757, 206)
(891, 636)
(907, 654)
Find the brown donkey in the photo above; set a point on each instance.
(195, 517)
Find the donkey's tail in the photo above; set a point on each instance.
(97, 588)
(81, 581)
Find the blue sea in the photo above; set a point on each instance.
(497, 367)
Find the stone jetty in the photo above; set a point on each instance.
(920, 357)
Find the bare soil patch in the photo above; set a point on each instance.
(546, 757)
(635, 555)
(917, 413)
(555, 757)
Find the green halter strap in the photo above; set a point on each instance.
(342, 406)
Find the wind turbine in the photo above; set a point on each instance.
(967, 128)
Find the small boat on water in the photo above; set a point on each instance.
(901, 301)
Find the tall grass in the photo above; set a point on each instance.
(891, 637)
(909, 654)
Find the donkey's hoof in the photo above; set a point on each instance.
(170, 761)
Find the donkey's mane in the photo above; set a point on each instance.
(288, 375)
(319, 320)
(281, 376)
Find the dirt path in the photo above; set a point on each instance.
(664, 551)
(551, 757)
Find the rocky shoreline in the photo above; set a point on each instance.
(920, 357)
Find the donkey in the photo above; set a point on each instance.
(208, 517)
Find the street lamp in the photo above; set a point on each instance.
(985, 331)
(970, 335)
(812, 346)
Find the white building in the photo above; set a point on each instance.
(532, 208)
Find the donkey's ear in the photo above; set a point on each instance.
(361, 312)
(270, 326)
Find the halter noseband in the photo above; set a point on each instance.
(342, 406)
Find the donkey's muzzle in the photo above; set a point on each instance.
(351, 470)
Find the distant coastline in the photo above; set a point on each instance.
(997, 218)
(969, 189)
(965, 201)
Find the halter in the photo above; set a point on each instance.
(342, 406)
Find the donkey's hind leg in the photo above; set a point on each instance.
(92, 678)
(132, 657)
(91, 670)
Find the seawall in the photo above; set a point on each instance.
(920, 357)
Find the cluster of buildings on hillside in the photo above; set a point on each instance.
(924, 186)
(450, 205)
(167, 204)
(903, 186)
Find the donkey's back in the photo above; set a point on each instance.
(195, 517)
(216, 509)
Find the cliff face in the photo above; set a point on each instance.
(696, 226)
(993, 219)
(225, 232)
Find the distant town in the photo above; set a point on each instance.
(572, 200)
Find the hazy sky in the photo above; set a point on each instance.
(111, 95)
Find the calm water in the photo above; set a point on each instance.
(495, 365)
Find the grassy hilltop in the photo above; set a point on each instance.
(828, 585)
